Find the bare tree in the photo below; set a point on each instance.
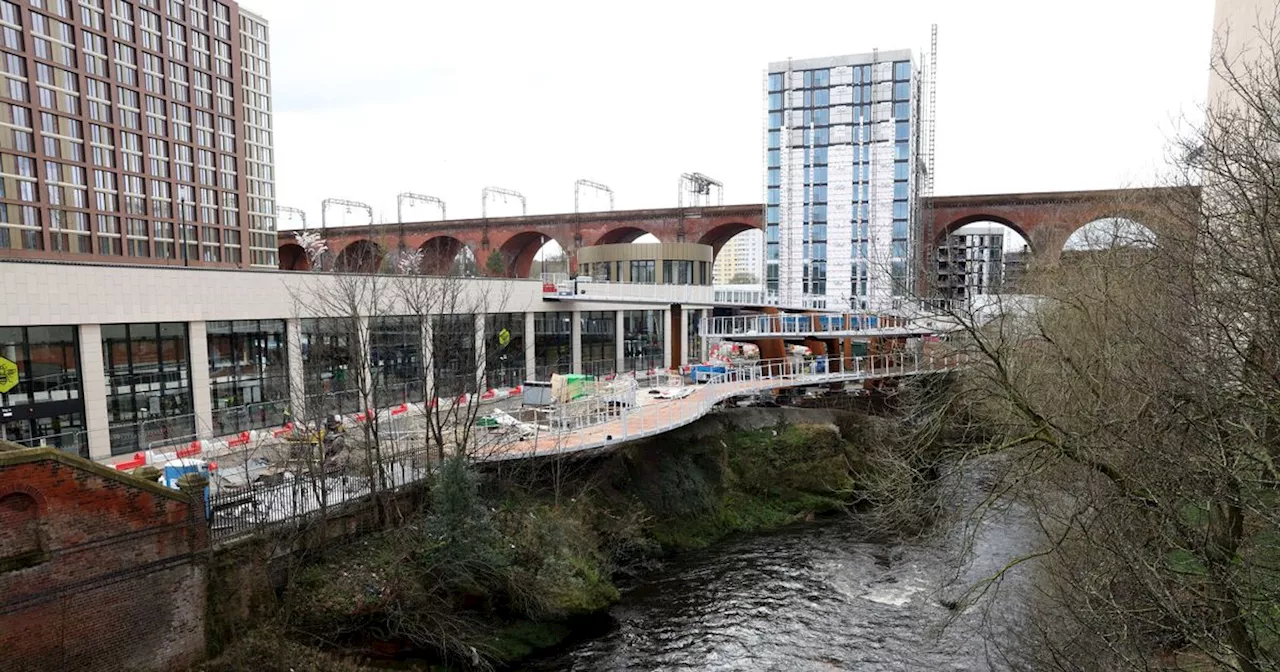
(1135, 404)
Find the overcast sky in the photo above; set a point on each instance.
(444, 98)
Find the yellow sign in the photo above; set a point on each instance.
(8, 375)
(504, 338)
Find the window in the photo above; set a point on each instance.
(902, 71)
(902, 151)
(148, 384)
(775, 81)
(504, 349)
(775, 101)
(643, 271)
(642, 344)
(599, 342)
(248, 381)
(900, 210)
(900, 229)
(775, 119)
(553, 344)
(902, 91)
(901, 170)
(902, 130)
(677, 272)
(46, 402)
(902, 110)
(900, 189)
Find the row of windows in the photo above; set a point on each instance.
(818, 174)
(853, 119)
(840, 135)
(857, 74)
(820, 99)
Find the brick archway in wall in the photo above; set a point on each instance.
(514, 240)
(1046, 220)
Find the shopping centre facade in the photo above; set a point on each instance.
(111, 359)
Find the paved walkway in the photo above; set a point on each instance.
(660, 416)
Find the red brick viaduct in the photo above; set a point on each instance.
(1045, 219)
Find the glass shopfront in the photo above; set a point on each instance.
(248, 376)
(599, 349)
(553, 344)
(329, 347)
(642, 342)
(148, 385)
(453, 354)
(693, 352)
(504, 349)
(395, 360)
(44, 405)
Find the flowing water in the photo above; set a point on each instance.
(820, 596)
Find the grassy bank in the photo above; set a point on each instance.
(507, 563)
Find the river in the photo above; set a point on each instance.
(820, 596)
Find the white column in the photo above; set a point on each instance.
(198, 361)
(481, 358)
(684, 336)
(666, 337)
(293, 363)
(576, 340)
(93, 389)
(530, 352)
(619, 338)
(705, 350)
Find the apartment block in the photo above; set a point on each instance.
(130, 133)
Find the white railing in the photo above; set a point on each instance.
(736, 381)
(765, 326)
(591, 423)
(584, 289)
(746, 297)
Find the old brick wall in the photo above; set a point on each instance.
(98, 571)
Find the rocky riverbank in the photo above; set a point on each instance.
(514, 560)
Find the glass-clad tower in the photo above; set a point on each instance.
(843, 169)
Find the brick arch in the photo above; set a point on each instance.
(293, 258)
(439, 253)
(976, 218)
(1147, 221)
(518, 251)
(359, 256)
(720, 234)
(22, 542)
(623, 234)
